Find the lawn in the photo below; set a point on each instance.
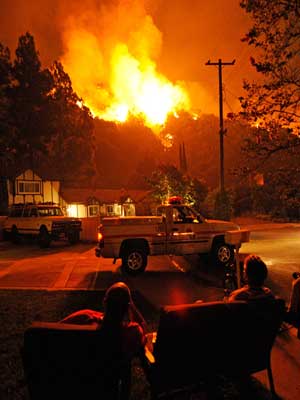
(18, 308)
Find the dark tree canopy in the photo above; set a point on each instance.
(274, 101)
(71, 148)
(43, 123)
(6, 126)
(167, 181)
(29, 101)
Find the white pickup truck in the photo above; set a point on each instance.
(43, 221)
(177, 229)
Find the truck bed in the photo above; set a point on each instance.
(136, 220)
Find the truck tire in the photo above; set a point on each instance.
(14, 235)
(222, 253)
(134, 261)
(73, 237)
(44, 238)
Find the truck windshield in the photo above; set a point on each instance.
(185, 214)
(50, 212)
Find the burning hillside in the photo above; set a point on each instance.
(111, 57)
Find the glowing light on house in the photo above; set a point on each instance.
(72, 210)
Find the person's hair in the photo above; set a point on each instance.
(255, 269)
(116, 302)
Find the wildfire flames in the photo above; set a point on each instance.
(114, 70)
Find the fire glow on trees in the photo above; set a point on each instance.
(111, 62)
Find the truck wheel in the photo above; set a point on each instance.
(14, 235)
(134, 261)
(222, 254)
(74, 237)
(44, 238)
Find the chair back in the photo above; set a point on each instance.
(73, 361)
(195, 341)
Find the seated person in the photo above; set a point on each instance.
(293, 310)
(255, 274)
(120, 317)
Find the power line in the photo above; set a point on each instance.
(220, 64)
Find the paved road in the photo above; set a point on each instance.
(280, 249)
(64, 267)
(167, 279)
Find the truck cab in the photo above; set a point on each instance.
(189, 232)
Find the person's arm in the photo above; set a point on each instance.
(83, 317)
(294, 305)
(136, 316)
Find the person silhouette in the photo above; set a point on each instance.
(255, 274)
(293, 309)
(120, 317)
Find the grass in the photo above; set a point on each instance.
(19, 308)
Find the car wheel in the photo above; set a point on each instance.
(74, 237)
(44, 238)
(14, 235)
(134, 261)
(222, 253)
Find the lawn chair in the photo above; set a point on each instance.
(64, 361)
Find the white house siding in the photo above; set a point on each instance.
(49, 190)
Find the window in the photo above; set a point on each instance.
(50, 212)
(110, 210)
(29, 187)
(184, 215)
(93, 210)
(26, 212)
(33, 212)
(16, 211)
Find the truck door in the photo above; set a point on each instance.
(25, 223)
(186, 232)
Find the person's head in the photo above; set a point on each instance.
(255, 270)
(116, 301)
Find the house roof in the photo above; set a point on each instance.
(104, 196)
(19, 172)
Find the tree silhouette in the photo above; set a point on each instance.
(167, 181)
(29, 102)
(6, 127)
(71, 148)
(272, 103)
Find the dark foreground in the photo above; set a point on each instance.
(19, 308)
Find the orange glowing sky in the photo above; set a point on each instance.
(138, 56)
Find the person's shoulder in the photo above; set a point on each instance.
(268, 292)
(239, 294)
(133, 326)
(296, 283)
(133, 334)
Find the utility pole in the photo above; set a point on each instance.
(220, 64)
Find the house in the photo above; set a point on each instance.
(87, 202)
(28, 187)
